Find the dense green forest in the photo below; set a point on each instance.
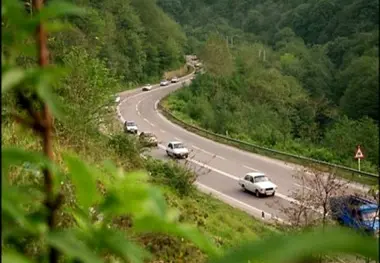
(72, 192)
(117, 45)
(298, 76)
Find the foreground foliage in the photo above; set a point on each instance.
(57, 206)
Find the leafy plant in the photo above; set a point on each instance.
(94, 196)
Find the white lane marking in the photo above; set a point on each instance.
(154, 89)
(137, 106)
(250, 168)
(155, 104)
(287, 198)
(162, 131)
(248, 154)
(199, 149)
(145, 119)
(178, 139)
(232, 201)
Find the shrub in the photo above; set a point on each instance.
(171, 174)
(128, 148)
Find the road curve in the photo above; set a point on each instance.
(219, 166)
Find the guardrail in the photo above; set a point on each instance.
(189, 126)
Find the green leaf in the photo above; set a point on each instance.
(15, 156)
(82, 219)
(126, 192)
(11, 207)
(157, 204)
(11, 79)
(117, 243)
(59, 8)
(14, 257)
(160, 225)
(47, 96)
(70, 245)
(290, 248)
(57, 26)
(83, 177)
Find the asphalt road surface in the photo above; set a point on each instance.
(219, 166)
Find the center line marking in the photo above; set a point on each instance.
(285, 197)
(217, 156)
(146, 120)
(178, 139)
(162, 131)
(250, 168)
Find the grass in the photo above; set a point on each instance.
(224, 224)
(165, 103)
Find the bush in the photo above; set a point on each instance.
(172, 174)
(321, 154)
(127, 148)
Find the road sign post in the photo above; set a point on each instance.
(359, 155)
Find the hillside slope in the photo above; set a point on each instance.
(117, 46)
(297, 77)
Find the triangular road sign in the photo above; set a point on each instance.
(359, 154)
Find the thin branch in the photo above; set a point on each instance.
(51, 202)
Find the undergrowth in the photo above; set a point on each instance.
(226, 226)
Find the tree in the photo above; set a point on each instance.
(361, 96)
(216, 56)
(311, 205)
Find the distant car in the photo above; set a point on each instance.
(174, 80)
(258, 184)
(148, 139)
(130, 127)
(147, 87)
(164, 82)
(177, 150)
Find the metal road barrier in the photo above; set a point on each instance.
(189, 126)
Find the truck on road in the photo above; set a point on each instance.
(356, 212)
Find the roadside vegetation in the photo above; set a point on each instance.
(296, 77)
(73, 193)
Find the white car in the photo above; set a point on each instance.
(147, 87)
(130, 127)
(258, 184)
(174, 80)
(177, 150)
(164, 82)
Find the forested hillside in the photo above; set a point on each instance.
(299, 76)
(117, 45)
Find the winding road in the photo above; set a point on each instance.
(219, 166)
